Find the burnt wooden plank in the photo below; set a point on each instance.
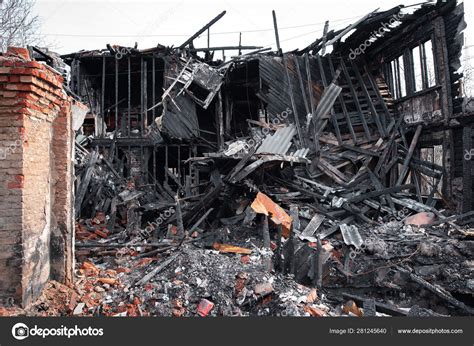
(376, 193)
(374, 112)
(381, 100)
(355, 98)
(343, 106)
(467, 204)
(411, 150)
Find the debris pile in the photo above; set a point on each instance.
(399, 270)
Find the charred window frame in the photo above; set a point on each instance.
(413, 71)
(396, 77)
(423, 66)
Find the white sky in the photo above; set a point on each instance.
(73, 25)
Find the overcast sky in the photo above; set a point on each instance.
(73, 25)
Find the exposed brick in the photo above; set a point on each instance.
(14, 79)
(22, 52)
(27, 89)
(17, 183)
(24, 87)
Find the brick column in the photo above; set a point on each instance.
(36, 241)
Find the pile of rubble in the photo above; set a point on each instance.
(399, 270)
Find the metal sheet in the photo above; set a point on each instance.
(279, 143)
(351, 235)
(182, 122)
(327, 101)
(312, 227)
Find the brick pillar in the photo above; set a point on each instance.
(36, 241)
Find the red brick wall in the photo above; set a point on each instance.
(35, 178)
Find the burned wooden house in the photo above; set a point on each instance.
(385, 106)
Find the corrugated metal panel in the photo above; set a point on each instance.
(182, 123)
(276, 90)
(301, 152)
(279, 143)
(313, 225)
(327, 100)
(351, 235)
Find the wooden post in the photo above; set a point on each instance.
(440, 52)
(467, 204)
(277, 37)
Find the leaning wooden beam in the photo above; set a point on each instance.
(434, 188)
(379, 186)
(388, 147)
(332, 172)
(343, 106)
(374, 85)
(325, 38)
(251, 53)
(377, 193)
(201, 219)
(204, 28)
(239, 166)
(349, 28)
(454, 218)
(411, 150)
(355, 98)
(361, 150)
(277, 36)
(155, 271)
(381, 307)
(208, 49)
(437, 290)
(358, 212)
(414, 172)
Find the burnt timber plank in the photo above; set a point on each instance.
(375, 115)
(355, 98)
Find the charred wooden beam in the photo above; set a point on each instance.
(204, 28)
(374, 112)
(208, 49)
(277, 36)
(355, 98)
(411, 150)
(377, 193)
(467, 168)
(381, 307)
